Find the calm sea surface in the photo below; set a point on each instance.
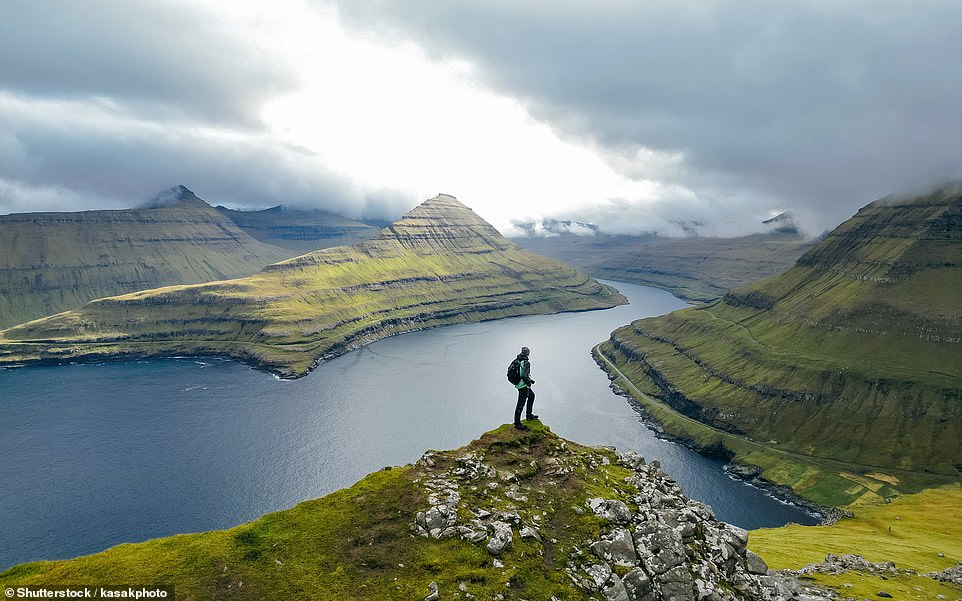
(95, 455)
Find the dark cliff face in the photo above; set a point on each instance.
(300, 230)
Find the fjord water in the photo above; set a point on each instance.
(95, 455)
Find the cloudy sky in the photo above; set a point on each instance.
(632, 115)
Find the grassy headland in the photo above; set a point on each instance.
(512, 515)
(440, 264)
(570, 522)
(357, 543)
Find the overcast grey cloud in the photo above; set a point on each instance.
(85, 156)
(815, 106)
(716, 113)
(164, 59)
(105, 103)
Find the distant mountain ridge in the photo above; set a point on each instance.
(300, 230)
(693, 268)
(439, 264)
(51, 262)
(556, 227)
(854, 355)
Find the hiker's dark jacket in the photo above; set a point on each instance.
(525, 370)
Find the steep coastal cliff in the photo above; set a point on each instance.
(848, 367)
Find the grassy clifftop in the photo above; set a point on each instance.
(512, 515)
(900, 546)
(848, 367)
(439, 264)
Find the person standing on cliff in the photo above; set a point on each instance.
(524, 383)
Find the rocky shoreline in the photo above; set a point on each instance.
(747, 473)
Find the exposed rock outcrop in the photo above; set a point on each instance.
(653, 542)
(953, 574)
(849, 562)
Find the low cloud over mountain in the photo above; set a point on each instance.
(629, 116)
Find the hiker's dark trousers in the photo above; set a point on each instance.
(525, 397)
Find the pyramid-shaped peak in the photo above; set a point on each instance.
(441, 201)
(176, 195)
(444, 223)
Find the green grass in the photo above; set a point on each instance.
(318, 545)
(858, 585)
(920, 532)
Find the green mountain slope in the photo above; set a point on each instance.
(51, 262)
(439, 264)
(852, 356)
(697, 269)
(300, 230)
(511, 515)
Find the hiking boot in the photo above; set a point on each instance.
(521, 426)
(531, 416)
